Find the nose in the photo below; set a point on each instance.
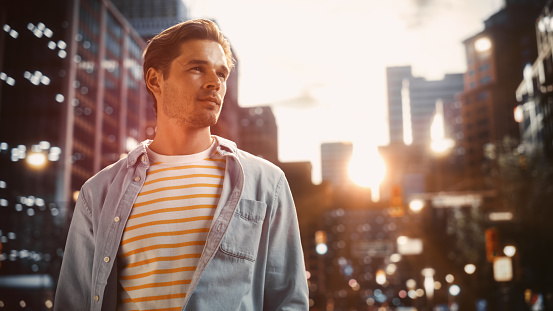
(212, 81)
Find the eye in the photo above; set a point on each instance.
(222, 75)
(198, 69)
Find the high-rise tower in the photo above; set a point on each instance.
(496, 58)
(72, 101)
(151, 17)
(412, 102)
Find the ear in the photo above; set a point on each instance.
(154, 79)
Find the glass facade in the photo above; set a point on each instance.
(72, 101)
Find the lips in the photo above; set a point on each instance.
(213, 99)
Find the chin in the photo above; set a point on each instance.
(200, 121)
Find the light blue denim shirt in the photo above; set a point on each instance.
(252, 259)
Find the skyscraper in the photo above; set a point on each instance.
(412, 102)
(72, 101)
(496, 58)
(535, 95)
(151, 17)
(258, 132)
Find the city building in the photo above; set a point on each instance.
(72, 101)
(149, 18)
(535, 93)
(335, 160)
(496, 58)
(258, 132)
(412, 102)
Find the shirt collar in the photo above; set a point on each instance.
(225, 146)
(138, 151)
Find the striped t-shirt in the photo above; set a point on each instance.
(167, 229)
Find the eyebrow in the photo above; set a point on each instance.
(204, 62)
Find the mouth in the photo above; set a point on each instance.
(211, 99)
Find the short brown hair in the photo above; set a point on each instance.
(164, 48)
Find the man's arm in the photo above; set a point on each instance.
(285, 279)
(74, 285)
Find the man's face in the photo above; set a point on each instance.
(192, 94)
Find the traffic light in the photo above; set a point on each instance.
(320, 242)
(396, 202)
(492, 243)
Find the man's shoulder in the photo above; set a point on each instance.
(109, 174)
(106, 176)
(250, 159)
(255, 165)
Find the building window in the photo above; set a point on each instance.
(486, 80)
(482, 96)
(484, 67)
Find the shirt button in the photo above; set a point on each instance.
(116, 219)
(96, 298)
(144, 159)
(137, 178)
(106, 259)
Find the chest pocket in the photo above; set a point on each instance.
(244, 232)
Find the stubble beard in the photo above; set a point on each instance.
(200, 118)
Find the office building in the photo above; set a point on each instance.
(535, 93)
(151, 17)
(258, 132)
(412, 105)
(412, 102)
(496, 58)
(72, 101)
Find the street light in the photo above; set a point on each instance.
(428, 274)
(36, 159)
(380, 277)
(416, 205)
(454, 290)
(483, 44)
(509, 250)
(320, 240)
(470, 268)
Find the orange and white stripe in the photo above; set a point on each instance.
(167, 229)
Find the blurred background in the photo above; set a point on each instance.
(416, 135)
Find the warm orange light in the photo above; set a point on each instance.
(519, 114)
(380, 277)
(483, 44)
(367, 169)
(36, 159)
(416, 205)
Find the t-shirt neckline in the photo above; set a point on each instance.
(188, 158)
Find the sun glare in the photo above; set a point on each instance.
(367, 169)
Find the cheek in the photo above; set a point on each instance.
(223, 90)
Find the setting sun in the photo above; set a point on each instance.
(367, 169)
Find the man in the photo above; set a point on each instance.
(186, 221)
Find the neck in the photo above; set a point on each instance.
(172, 139)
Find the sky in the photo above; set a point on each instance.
(320, 64)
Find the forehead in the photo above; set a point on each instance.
(205, 50)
